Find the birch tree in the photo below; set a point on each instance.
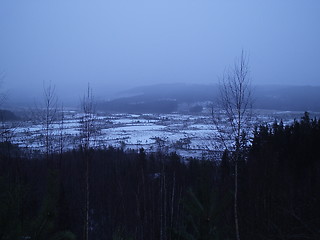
(5, 131)
(48, 116)
(87, 130)
(235, 102)
(3, 95)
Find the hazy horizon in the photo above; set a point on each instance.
(118, 45)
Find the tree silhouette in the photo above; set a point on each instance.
(235, 102)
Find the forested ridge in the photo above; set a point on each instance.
(139, 195)
(168, 97)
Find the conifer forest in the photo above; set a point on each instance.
(112, 193)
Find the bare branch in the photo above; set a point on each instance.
(235, 103)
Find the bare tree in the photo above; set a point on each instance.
(49, 115)
(7, 126)
(4, 129)
(235, 102)
(62, 137)
(3, 95)
(87, 123)
(87, 128)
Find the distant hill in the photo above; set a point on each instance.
(165, 98)
(6, 115)
(187, 93)
(290, 98)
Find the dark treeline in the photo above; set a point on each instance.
(138, 105)
(159, 98)
(135, 195)
(280, 194)
(6, 115)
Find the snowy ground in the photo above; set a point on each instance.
(188, 135)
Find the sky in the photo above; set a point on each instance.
(118, 44)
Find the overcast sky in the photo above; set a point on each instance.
(112, 43)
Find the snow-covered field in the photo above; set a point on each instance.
(188, 135)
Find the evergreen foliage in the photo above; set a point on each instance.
(139, 195)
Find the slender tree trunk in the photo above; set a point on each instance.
(145, 215)
(165, 208)
(236, 200)
(161, 206)
(87, 130)
(87, 200)
(61, 138)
